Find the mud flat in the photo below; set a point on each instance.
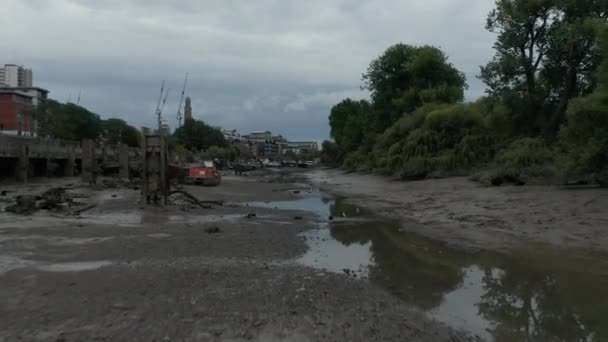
(468, 215)
(247, 270)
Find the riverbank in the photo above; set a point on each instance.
(122, 271)
(468, 215)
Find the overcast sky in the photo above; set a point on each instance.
(254, 65)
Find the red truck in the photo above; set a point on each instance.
(205, 174)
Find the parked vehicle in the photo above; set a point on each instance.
(205, 174)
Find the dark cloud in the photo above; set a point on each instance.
(254, 65)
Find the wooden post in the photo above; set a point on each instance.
(23, 165)
(68, 171)
(155, 169)
(89, 167)
(123, 161)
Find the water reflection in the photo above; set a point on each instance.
(497, 297)
(531, 297)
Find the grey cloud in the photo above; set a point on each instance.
(264, 64)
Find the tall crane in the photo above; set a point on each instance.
(158, 109)
(181, 101)
(162, 107)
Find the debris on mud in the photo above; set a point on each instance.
(55, 198)
(187, 201)
(251, 215)
(213, 230)
(25, 205)
(298, 217)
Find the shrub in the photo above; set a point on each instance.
(525, 153)
(524, 160)
(584, 141)
(453, 123)
(475, 149)
(356, 161)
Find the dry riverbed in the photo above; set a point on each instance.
(125, 272)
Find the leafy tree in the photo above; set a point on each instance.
(583, 137)
(330, 153)
(349, 121)
(197, 135)
(117, 131)
(67, 121)
(545, 56)
(405, 77)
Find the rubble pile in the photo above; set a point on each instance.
(52, 199)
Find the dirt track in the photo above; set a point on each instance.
(122, 272)
(466, 214)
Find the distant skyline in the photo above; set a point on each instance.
(273, 65)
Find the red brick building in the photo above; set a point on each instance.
(16, 113)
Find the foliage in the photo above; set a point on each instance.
(525, 153)
(116, 131)
(330, 153)
(442, 138)
(241, 152)
(406, 77)
(583, 137)
(356, 161)
(67, 121)
(349, 121)
(182, 154)
(546, 54)
(196, 135)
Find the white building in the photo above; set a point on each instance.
(16, 76)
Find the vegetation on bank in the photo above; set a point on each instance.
(545, 115)
(71, 122)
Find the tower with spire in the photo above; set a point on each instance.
(188, 108)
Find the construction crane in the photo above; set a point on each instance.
(162, 107)
(181, 101)
(158, 109)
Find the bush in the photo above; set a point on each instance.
(475, 149)
(356, 161)
(525, 153)
(525, 160)
(584, 141)
(453, 123)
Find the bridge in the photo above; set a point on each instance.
(22, 157)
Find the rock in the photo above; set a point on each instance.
(251, 215)
(296, 191)
(114, 196)
(331, 218)
(298, 218)
(3, 193)
(213, 230)
(346, 270)
(25, 204)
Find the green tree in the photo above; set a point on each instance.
(196, 135)
(117, 131)
(68, 121)
(406, 77)
(583, 137)
(545, 56)
(330, 153)
(349, 121)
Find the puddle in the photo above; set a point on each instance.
(543, 296)
(75, 266)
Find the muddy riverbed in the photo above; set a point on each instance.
(321, 260)
(542, 295)
(125, 272)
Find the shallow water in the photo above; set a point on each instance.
(533, 295)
